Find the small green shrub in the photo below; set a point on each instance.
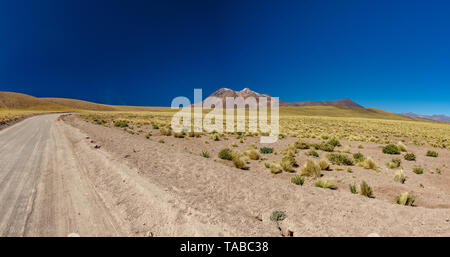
(365, 189)
(326, 147)
(432, 154)
(405, 199)
(225, 154)
(391, 149)
(334, 142)
(418, 170)
(352, 188)
(205, 154)
(155, 126)
(288, 163)
(359, 157)
(325, 183)
(311, 169)
(340, 159)
(239, 160)
(410, 157)
(312, 153)
(277, 216)
(121, 124)
(266, 150)
(298, 180)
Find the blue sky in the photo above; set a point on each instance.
(393, 55)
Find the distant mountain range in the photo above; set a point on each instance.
(441, 118)
(223, 93)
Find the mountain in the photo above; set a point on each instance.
(441, 117)
(244, 93)
(223, 93)
(340, 103)
(13, 100)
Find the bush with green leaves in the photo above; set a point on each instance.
(418, 170)
(325, 183)
(298, 180)
(391, 149)
(405, 199)
(359, 157)
(155, 126)
(266, 150)
(410, 157)
(311, 169)
(288, 163)
(225, 154)
(326, 147)
(334, 142)
(278, 216)
(432, 154)
(365, 189)
(340, 159)
(121, 124)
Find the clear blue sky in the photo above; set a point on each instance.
(393, 55)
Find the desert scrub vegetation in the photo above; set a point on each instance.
(352, 188)
(275, 168)
(391, 149)
(334, 142)
(252, 154)
(432, 154)
(399, 176)
(301, 145)
(239, 160)
(225, 154)
(266, 150)
(324, 165)
(394, 163)
(410, 157)
(288, 163)
(359, 157)
(204, 154)
(402, 147)
(418, 170)
(298, 180)
(165, 132)
(312, 152)
(325, 183)
(278, 216)
(369, 164)
(405, 199)
(311, 169)
(340, 159)
(365, 189)
(121, 124)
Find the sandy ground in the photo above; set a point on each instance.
(232, 202)
(62, 176)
